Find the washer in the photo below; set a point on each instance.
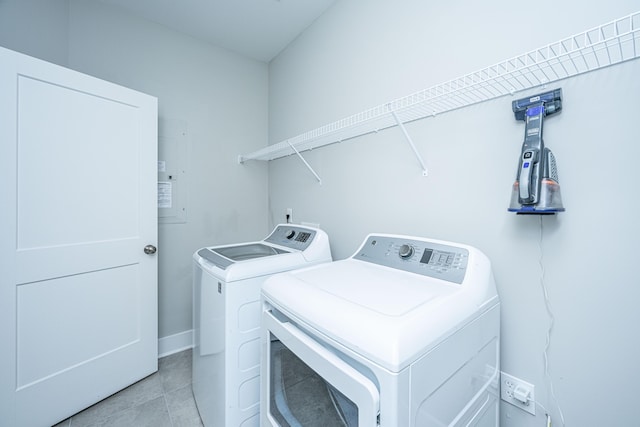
(226, 318)
(406, 332)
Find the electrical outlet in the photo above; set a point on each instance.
(514, 391)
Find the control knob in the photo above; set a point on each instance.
(289, 235)
(406, 251)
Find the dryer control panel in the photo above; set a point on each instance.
(423, 257)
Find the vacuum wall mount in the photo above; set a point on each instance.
(536, 189)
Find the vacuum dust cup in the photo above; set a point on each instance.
(550, 199)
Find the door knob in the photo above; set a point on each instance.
(150, 249)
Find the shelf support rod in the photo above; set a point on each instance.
(305, 163)
(410, 141)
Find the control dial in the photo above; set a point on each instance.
(406, 251)
(289, 234)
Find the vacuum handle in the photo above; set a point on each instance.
(526, 172)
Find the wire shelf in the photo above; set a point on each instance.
(608, 44)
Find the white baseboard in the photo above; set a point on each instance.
(175, 343)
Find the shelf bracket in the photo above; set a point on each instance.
(410, 141)
(305, 162)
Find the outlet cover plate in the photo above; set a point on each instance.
(508, 384)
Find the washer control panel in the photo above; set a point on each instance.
(292, 236)
(445, 262)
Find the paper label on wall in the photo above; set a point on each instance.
(164, 195)
(162, 166)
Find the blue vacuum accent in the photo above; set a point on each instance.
(533, 210)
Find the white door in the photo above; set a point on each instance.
(78, 295)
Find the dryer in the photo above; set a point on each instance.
(226, 318)
(406, 332)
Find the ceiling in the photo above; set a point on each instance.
(259, 29)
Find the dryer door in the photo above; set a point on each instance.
(306, 385)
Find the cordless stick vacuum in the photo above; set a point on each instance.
(536, 190)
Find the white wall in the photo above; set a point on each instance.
(219, 96)
(36, 27)
(222, 98)
(362, 53)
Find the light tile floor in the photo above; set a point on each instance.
(163, 399)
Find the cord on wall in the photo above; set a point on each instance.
(546, 413)
(548, 342)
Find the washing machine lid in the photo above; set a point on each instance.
(387, 315)
(287, 247)
(224, 256)
(248, 251)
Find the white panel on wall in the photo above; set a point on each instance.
(172, 171)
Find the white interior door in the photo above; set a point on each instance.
(78, 295)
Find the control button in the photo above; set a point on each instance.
(406, 251)
(289, 235)
(303, 237)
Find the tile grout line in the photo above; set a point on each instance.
(166, 405)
